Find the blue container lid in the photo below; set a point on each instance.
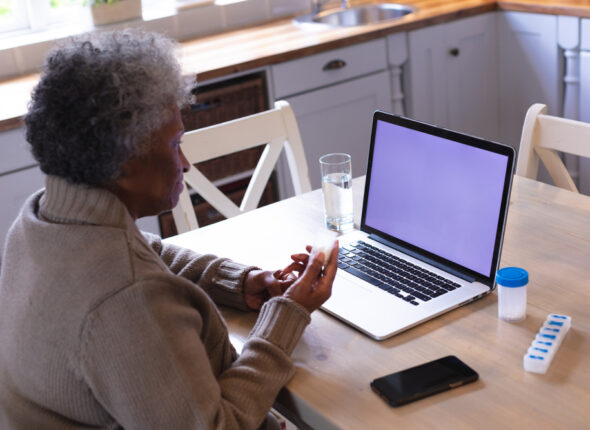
(512, 277)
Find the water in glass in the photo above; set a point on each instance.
(337, 189)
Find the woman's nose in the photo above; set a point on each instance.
(185, 163)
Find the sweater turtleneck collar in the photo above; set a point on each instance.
(63, 202)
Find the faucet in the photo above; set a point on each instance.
(316, 5)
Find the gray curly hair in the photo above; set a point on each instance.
(100, 98)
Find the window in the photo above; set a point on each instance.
(46, 13)
(13, 15)
(157, 8)
(73, 16)
(39, 14)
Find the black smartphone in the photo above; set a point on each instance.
(424, 380)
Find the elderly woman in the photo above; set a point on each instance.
(101, 325)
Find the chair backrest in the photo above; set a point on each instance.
(276, 129)
(542, 136)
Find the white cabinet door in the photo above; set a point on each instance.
(14, 151)
(472, 78)
(529, 69)
(15, 188)
(19, 177)
(338, 119)
(584, 98)
(453, 76)
(426, 93)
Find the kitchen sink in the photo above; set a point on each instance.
(360, 15)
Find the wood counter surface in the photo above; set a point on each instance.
(277, 41)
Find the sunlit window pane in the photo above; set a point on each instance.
(54, 4)
(62, 12)
(12, 15)
(5, 9)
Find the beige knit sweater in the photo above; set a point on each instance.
(103, 327)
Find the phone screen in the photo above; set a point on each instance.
(420, 381)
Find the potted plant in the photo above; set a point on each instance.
(109, 11)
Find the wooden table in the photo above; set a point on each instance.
(548, 233)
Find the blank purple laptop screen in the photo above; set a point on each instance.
(436, 194)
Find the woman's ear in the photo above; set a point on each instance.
(126, 182)
(129, 173)
(129, 168)
(128, 186)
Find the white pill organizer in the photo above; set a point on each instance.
(546, 343)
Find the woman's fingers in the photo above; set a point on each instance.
(314, 286)
(313, 269)
(275, 288)
(331, 268)
(323, 288)
(300, 257)
(293, 267)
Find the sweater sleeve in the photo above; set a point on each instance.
(221, 278)
(157, 355)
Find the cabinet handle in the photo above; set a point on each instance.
(454, 52)
(334, 65)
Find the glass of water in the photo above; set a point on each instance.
(337, 189)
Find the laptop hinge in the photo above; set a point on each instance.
(422, 258)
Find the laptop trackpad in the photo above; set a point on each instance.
(370, 310)
(347, 292)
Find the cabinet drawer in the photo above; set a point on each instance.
(304, 74)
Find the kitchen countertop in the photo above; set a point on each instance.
(277, 41)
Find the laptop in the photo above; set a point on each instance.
(434, 210)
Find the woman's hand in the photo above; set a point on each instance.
(303, 281)
(261, 285)
(314, 285)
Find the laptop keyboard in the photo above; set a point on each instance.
(405, 280)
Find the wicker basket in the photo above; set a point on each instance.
(224, 102)
(218, 103)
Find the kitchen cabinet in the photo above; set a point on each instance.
(19, 177)
(530, 69)
(568, 39)
(584, 99)
(339, 118)
(333, 95)
(397, 57)
(452, 78)
(15, 188)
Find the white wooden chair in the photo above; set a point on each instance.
(542, 136)
(277, 128)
